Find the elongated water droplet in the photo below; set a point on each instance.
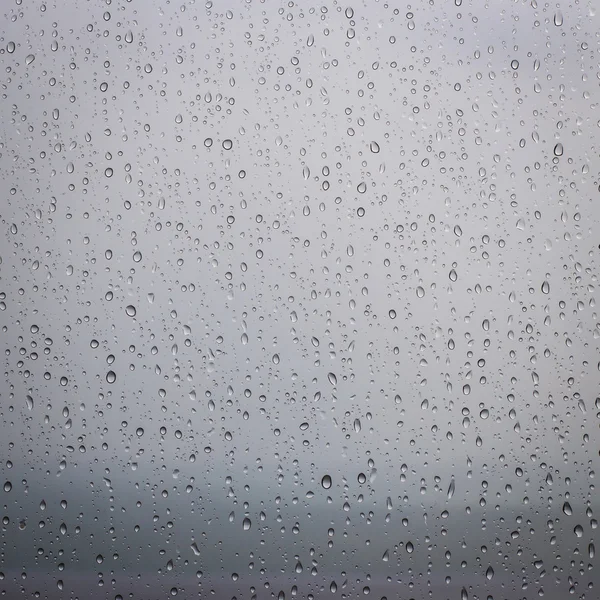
(451, 489)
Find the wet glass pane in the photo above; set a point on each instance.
(298, 300)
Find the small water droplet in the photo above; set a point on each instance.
(451, 489)
(326, 482)
(558, 18)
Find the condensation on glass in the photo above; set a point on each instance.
(299, 300)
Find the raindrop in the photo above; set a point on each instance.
(545, 287)
(227, 144)
(374, 146)
(29, 59)
(111, 377)
(246, 524)
(558, 18)
(130, 310)
(326, 482)
(558, 149)
(451, 489)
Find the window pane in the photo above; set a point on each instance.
(298, 300)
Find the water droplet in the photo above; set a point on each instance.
(558, 18)
(410, 548)
(489, 574)
(246, 524)
(227, 144)
(332, 378)
(567, 509)
(545, 287)
(361, 187)
(326, 482)
(10, 47)
(29, 59)
(130, 310)
(374, 146)
(420, 292)
(7, 486)
(451, 489)
(558, 149)
(111, 377)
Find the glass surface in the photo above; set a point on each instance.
(299, 300)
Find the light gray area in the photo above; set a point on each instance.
(359, 241)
